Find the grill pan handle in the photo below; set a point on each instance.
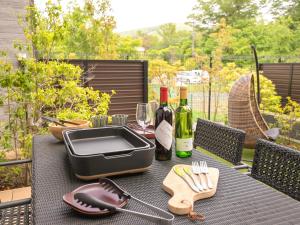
(122, 154)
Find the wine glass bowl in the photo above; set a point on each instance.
(143, 115)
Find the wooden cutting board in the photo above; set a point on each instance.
(183, 197)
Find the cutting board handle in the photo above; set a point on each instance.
(180, 204)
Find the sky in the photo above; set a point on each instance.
(135, 14)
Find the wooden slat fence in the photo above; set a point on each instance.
(286, 77)
(129, 78)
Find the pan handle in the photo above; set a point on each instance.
(112, 155)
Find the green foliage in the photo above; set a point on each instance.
(287, 118)
(289, 8)
(83, 32)
(270, 101)
(276, 37)
(127, 47)
(88, 31)
(162, 71)
(168, 34)
(44, 31)
(208, 13)
(17, 173)
(229, 74)
(42, 88)
(149, 41)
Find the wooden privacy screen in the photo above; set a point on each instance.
(286, 77)
(129, 78)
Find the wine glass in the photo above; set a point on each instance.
(143, 115)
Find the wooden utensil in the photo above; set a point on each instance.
(183, 197)
(59, 121)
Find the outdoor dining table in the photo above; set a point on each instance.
(239, 199)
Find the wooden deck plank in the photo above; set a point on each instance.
(6, 196)
(21, 193)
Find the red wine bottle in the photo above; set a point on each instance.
(163, 128)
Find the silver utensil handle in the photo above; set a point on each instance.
(197, 183)
(203, 181)
(209, 183)
(152, 218)
(164, 217)
(190, 184)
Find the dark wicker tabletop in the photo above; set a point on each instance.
(239, 199)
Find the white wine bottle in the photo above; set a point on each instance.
(183, 127)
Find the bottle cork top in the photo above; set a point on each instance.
(183, 92)
(163, 88)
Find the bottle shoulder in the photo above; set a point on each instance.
(164, 109)
(185, 108)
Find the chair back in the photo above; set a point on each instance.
(221, 140)
(277, 166)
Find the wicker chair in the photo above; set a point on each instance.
(226, 142)
(16, 212)
(277, 166)
(244, 114)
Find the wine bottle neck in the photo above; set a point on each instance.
(183, 102)
(163, 96)
(163, 103)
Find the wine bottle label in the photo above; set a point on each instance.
(185, 144)
(163, 134)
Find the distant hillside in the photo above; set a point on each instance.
(153, 30)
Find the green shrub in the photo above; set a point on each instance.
(42, 88)
(270, 101)
(286, 118)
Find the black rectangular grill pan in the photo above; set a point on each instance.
(93, 166)
(105, 140)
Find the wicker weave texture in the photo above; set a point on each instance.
(277, 166)
(239, 199)
(223, 141)
(20, 215)
(243, 111)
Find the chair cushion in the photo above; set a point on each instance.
(272, 133)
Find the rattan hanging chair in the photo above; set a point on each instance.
(244, 114)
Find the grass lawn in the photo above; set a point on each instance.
(221, 117)
(295, 144)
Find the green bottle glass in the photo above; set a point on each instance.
(183, 127)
